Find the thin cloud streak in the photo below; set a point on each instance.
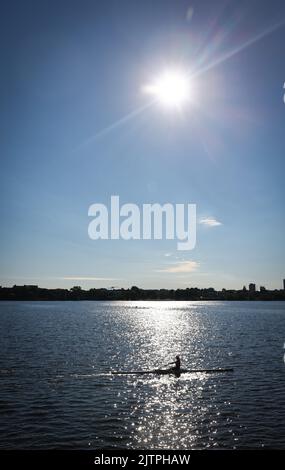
(86, 278)
(210, 222)
(181, 267)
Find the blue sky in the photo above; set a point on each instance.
(71, 71)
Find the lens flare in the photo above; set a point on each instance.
(172, 89)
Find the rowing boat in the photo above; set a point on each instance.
(173, 371)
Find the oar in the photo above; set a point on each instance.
(168, 364)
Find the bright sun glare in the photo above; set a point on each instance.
(172, 89)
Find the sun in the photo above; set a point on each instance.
(172, 89)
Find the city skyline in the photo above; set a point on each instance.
(251, 287)
(191, 293)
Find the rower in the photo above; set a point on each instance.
(177, 363)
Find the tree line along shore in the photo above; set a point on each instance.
(31, 292)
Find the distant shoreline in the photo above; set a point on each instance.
(142, 300)
(35, 293)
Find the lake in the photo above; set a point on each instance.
(56, 390)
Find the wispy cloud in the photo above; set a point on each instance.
(168, 254)
(83, 278)
(210, 222)
(181, 267)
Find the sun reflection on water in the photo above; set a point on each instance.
(167, 411)
(159, 332)
(162, 413)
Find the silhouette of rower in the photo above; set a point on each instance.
(177, 363)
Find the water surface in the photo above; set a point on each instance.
(56, 390)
